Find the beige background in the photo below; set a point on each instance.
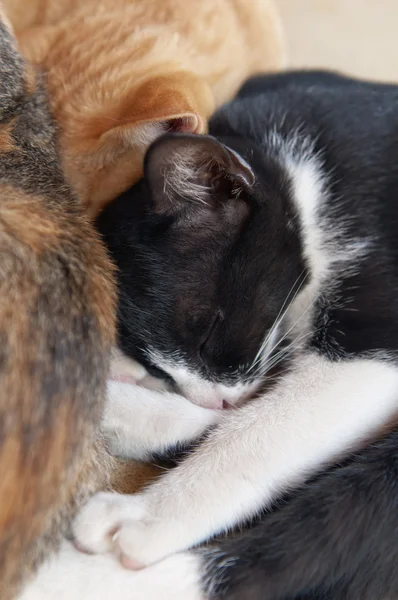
(357, 36)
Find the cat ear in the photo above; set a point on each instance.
(16, 77)
(104, 148)
(179, 101)
(189, 170)
(11, 66)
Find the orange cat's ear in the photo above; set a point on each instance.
(180, 101)
(104, 149)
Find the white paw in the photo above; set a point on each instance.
(98, 524)
(127, 370)
(125, 525)
(123, 368)
(138, 423)
(119, 417)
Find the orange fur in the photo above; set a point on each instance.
(130, 477)
(121, 72)
(7, 143)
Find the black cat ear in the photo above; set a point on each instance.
(184, 171)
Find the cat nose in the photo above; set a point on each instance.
(215, 405)
(227, 405)
(221, 405)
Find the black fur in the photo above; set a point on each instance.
(189, 274)
(337, 539)
(184, 284)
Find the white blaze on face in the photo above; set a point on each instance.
(201, 391)
(207, 393)
(191, 384)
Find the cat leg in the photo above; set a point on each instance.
(139, 423)
(317, 411)
(335, 539)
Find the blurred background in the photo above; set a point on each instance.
(357, 36)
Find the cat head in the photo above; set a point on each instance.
(209, 256)
(111, 105)
(104, 152)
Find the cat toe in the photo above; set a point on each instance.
(96, 527)
(140, 544)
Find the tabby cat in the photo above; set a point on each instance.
(57, 316)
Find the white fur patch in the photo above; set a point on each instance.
(327, 248)
(199, 390)
(319, 411)
(325, 241)
(70, 575)
(192, 386)
(308, 192)
(181, 177)
(139, 423)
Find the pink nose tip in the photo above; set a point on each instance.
(227, 405)
(220, 405)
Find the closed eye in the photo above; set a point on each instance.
(218, 317)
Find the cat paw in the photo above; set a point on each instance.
(126, 370)
(125, 525)
(123, 368)
(117, 416)
(139, 423)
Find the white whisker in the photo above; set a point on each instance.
(281, 315)
(293, 326)
(277, 358)
(271, 360)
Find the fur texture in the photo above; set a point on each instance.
(319, 174)
(289, 251)
(121, 72)
(56, 327)
(321, 210)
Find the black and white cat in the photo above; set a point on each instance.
(275, 237)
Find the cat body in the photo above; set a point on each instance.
(57, 324)
(122, 72)
(273, 238)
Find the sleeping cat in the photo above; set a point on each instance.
(57, 317)
(275, 237)
(121, 72)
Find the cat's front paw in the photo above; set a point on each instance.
(127, 526)
(118, 419)
(139, 423)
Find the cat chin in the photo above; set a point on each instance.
(217, 396)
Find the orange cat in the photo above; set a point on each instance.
(121, 72)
